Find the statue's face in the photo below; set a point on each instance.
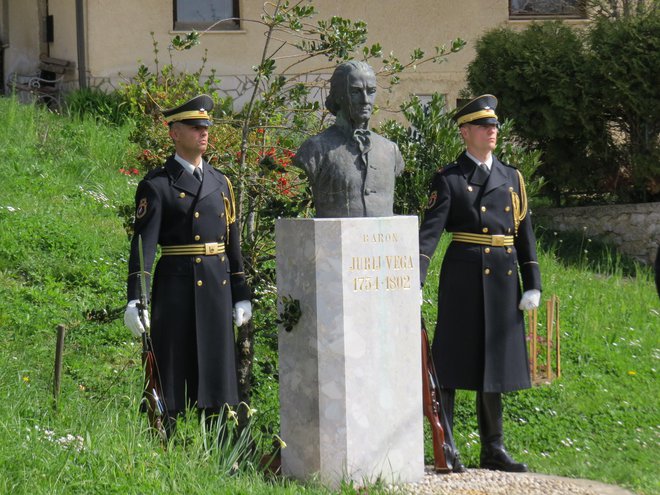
(361, 97)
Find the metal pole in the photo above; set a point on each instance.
(59, 351)
(80, 38)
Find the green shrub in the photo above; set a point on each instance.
(625, 59)
(539, 76)
(587, 99)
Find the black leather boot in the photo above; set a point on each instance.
(489, 417)
(447, 422)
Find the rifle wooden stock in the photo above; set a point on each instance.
(153, 401)
(152, 397)
(432, 409)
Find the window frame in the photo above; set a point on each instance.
(580, 7)
(232, 25)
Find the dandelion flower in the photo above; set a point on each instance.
(632, 372)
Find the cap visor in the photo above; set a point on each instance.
(487, 120)
(204, 122)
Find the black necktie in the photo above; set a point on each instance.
(485, 168)
(198, 173)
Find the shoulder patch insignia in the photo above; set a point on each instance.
(141, 209)
(433, 198)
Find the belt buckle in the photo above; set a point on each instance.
(497, 240)
(211, 248)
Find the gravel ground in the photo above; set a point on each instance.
(485, 482)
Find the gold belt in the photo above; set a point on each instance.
(483, 239)
(208, 249)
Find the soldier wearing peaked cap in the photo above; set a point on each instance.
(187, 207)
(479, 341)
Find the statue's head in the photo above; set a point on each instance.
(352, 93)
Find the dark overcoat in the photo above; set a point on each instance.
(479, 341)
(193, 296)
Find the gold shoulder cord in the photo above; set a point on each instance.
(519, 203)
(230, 207)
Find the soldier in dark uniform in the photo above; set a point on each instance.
(479, 341)
(351, 169)
(187, 207)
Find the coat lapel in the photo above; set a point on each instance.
(497, 178)
(211, 182)
(473, 174)
(180, 178)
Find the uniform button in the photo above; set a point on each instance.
(199, 283)
(182, 195)
(508, 208)
(487, 271)
(224, 282)
(487, 250)
(367, 192)
(510, 189)
(508, 231)
(470, 188)
(483, 208)
(485, 230)
(509, 272)
(196, 214)
(509, 250)
(222, 215)
(222, 258)
(197, 238)
(198, 260)
(222, 238)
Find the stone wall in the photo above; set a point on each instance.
(634, 229)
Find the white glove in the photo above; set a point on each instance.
(530, 300)
(132, 318)
(242, 312)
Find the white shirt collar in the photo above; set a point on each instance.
(187, 165)
(488, 162)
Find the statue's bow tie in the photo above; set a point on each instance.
(363, 138)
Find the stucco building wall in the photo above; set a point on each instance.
(118, 39)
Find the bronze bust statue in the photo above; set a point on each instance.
(351, 169)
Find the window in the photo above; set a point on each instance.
(550, 8)
(202, 14)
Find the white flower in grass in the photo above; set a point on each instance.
(280, 441)
(232, 415)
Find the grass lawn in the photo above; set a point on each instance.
(63, 250)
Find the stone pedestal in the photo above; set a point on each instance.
(350, 369)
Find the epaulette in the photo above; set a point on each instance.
(153, 173)
(447, 167)
(508, 165)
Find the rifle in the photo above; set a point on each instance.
(153, 402)
(442, 451)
